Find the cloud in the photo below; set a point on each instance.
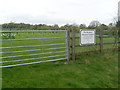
(57, 11)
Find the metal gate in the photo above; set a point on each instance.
(33, 46)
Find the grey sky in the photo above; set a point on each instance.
(119, 11)
(58, 11)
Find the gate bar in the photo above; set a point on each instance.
(34, 50)
(32, 63)
(34, 31)
(31, 54)
(32, 46)
(31, 39)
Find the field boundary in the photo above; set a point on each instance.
(101, 43)
(70, 46)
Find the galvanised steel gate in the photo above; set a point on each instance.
(33, 46)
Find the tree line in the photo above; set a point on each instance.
(111, 28)
(23, 26)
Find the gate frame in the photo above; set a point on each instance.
(66, 43)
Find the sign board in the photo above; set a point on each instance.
(87, 36)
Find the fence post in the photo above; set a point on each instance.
(73, 44)
(68, 44)
(101, 40)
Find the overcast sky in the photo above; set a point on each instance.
(58, 11)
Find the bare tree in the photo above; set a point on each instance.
(94, 24)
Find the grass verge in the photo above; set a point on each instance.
(98, 70)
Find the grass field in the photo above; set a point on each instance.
(99, 70)
(88, 71)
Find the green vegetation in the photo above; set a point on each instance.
(88, 71)
(98, 70)
(110, 29)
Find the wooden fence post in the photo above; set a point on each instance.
(73, 44)
(68, 42)
(101, 40)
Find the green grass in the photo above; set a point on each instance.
(98, 70)
(88, 71)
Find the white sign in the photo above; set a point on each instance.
(87, 36)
